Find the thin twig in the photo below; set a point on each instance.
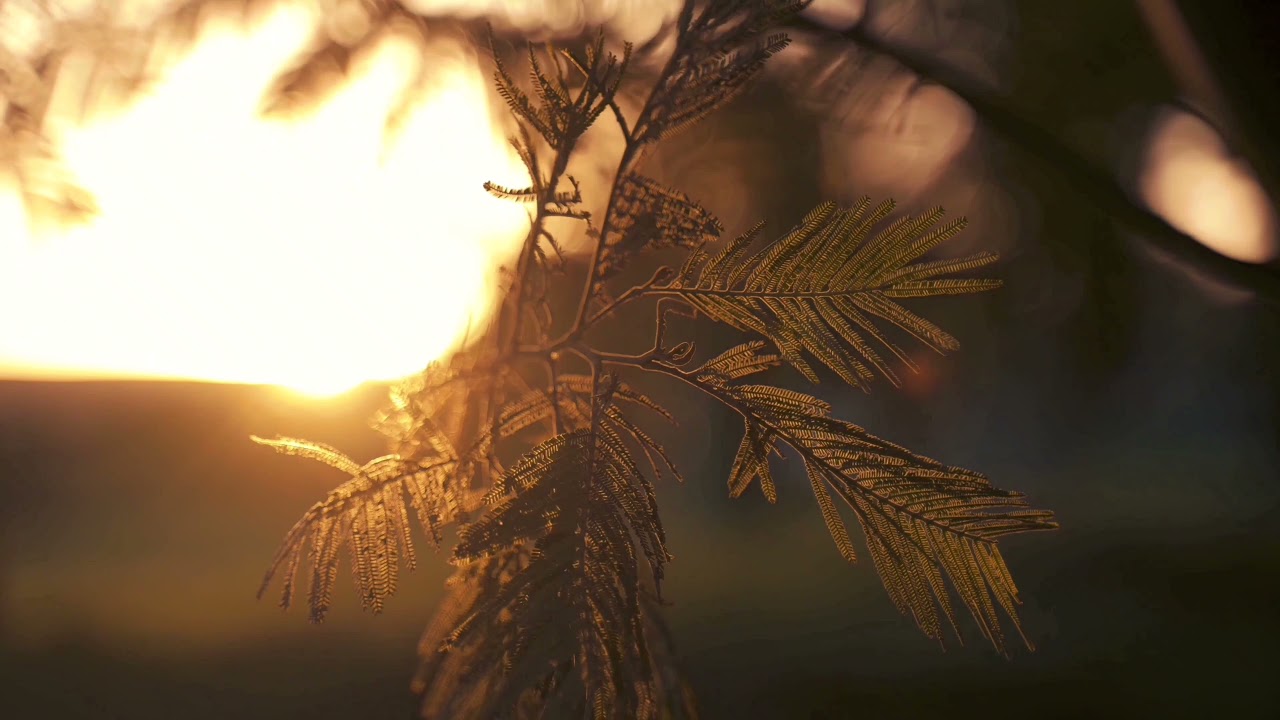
(557, 425)
(630, 155)
(622, 120)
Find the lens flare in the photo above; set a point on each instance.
(230, 248)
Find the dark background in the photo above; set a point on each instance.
(1132, 395)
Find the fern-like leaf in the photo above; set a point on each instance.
(558, 111)
(573, 396)
(557, 550)
(435, 413)
(819, 290)
(720, 49)
(370, 516)
(923, 521)
(647, 215)
(527, 194)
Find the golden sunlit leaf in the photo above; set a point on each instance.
(923, 521)
(819, 290)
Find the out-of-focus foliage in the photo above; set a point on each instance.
(37, 37)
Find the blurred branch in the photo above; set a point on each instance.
(1090, 180)
(1186, 63)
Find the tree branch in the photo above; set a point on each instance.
(1091, 181)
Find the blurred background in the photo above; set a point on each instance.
(1117, 154)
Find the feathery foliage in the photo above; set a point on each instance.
(368, 514)
(531, 444)
(569, 612)
(648, 215)
(30, 66)
(921, 519)
(819, 288)
(720, 49)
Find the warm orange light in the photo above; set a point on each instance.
(1191, 179)
(233, 249)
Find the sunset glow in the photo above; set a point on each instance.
(229, 248)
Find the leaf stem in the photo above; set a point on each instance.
(631, 154)
(650, 363)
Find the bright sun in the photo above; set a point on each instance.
(235, 249)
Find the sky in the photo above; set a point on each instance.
(243, 249)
